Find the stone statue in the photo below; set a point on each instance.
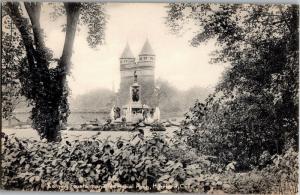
(135, 76)
(135, 94)
(117, 112)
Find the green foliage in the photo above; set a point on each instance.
(173, 100)
(41, 77)
(280, 177)
(92, 16)
(136, 164)
(12, 53)
(255, 106)
(285, 169)
(139, 164)
(99, 99)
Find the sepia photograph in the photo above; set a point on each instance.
(149, 97)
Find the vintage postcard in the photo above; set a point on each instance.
(150, 97)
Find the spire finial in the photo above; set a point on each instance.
(127, 53)
(135, 76)
(147, 49)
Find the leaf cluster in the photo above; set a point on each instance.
(255, 106)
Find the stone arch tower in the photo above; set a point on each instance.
(144, 67)
(145, 71)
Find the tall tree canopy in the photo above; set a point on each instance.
(255, 106)
(42, 83)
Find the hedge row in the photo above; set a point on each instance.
(140, 164)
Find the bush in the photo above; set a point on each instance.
(241, 129)
(140, 164)
(283, 172)
(135, 165)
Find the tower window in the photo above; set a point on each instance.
(140, 58)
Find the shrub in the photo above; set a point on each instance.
(141, 164)
(138, 164)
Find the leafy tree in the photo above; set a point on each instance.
(255, 106)
(44, 85)
(95, 100)
(175, 101)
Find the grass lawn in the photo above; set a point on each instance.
(30, 133)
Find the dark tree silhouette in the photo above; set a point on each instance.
(255, 106)
(45, 86)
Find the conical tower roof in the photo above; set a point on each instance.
(147, 49)
(127, 53)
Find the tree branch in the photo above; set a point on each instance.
(12, 8)
(284, 19)
(36, 56)
(73, 11)
(34, 9)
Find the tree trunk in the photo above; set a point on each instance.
(73, 11)
(22, 25)
(47, 88)
(60, 103)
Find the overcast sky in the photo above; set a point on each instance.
(176, 61)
